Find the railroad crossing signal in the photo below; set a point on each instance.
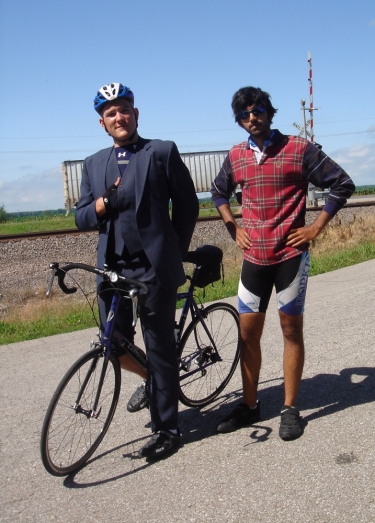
(303, 131)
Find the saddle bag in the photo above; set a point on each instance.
(208, 260)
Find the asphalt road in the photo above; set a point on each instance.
(248, 476)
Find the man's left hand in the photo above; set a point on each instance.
(297, 237)
(302, 235)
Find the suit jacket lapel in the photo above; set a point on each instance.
(139, 166)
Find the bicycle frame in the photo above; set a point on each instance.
(189, 305)
(106, 337)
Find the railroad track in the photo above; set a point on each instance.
(70, 232)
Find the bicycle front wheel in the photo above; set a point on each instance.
(72, 429)
(209, 354)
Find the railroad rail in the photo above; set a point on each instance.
(70, 232)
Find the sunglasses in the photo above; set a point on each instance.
(257, 111)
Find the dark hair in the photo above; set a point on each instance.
(248, 96)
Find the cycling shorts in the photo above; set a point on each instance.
(289, 278)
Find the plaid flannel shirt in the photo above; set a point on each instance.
(274, 191)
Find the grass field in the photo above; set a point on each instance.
(37, 224)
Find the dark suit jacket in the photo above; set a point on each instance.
(161, 177)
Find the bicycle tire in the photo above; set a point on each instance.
(70, 436)
(201, 377)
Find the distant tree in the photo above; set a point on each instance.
(3, 214)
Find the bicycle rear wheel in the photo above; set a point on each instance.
(207, 365)
(71, 430)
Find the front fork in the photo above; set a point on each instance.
(106, 341)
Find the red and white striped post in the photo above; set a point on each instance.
(311, 97)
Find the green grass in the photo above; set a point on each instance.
(338, 260)
(38, 224)
(365, 190)
(71, 316)
(203, 213)
(74, 317)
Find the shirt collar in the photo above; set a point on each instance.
(271, 140)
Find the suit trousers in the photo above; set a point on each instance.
(157, 318)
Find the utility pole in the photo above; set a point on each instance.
(305, 124)
(311, 97)
(313, 194)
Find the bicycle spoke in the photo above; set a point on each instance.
(70, 432)
(213, 356)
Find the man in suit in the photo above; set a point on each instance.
(126, 192)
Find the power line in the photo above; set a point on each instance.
(222, 144)
(175, 132)
(342, 134)
(45, 152)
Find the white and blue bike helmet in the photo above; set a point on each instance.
(110, 92)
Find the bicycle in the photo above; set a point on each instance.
(83, 405)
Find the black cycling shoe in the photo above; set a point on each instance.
(139, 399)
(160, 444)
(241, 416)
(290, 424)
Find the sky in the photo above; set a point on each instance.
(184, 60)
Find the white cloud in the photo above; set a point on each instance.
(34, 193)
(358, 161)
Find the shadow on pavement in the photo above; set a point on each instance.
(330, 393)
(131, 455)
(325, 394)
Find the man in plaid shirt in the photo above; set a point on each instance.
(274, 171)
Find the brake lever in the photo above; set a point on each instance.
(134, 297)
(53, 268)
